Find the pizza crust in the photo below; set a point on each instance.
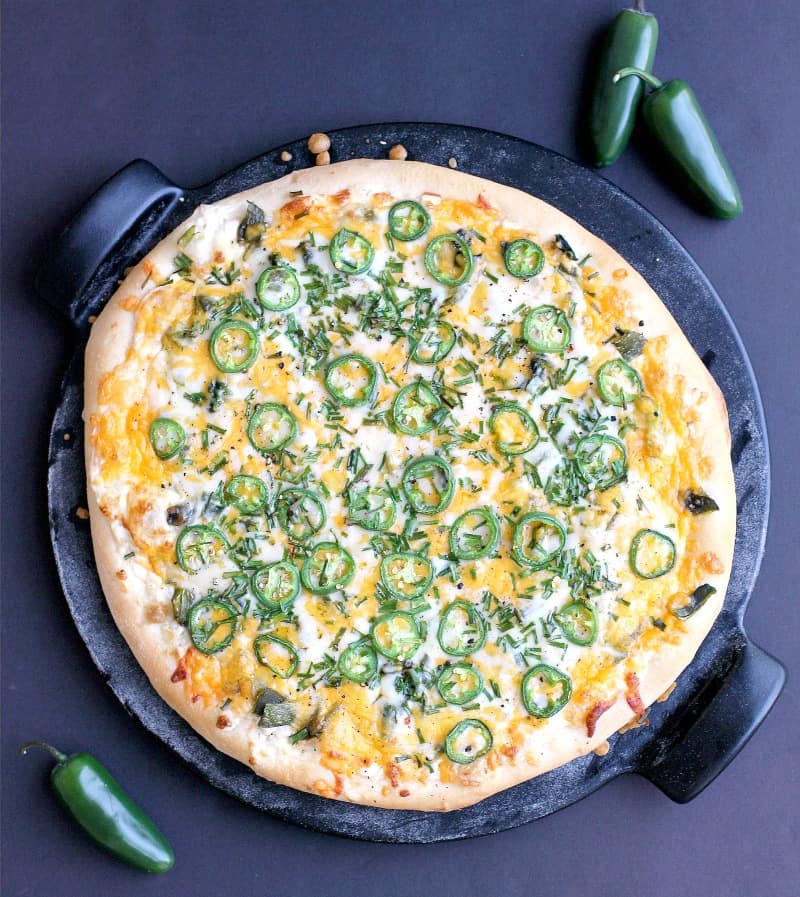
(299, 767)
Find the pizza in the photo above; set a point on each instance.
(404, 487)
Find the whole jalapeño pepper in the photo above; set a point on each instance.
(677, 123)
(630, 41)
(97, 802)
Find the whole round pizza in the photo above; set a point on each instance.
(404, 487)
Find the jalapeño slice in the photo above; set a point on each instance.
(277, 288)
(468, 741)
(448, 259)
(359, 662)
(408, 220)
(167, 437)
(652, 554)
(371, 507)
(350, 252)
(460, 683)
(326, 568)
(271, 427)
(545, 690)
(406, 575)
(212, 625)
(416, 409)
(351, 379)
(523, 258)
(199, 546)
(699, 503)
(461, 629)
(578, 621)
(428, 484)
(618, 383)
(300, 513)
(546, 329)
(514, 430)
(233, 346)
(277, 655)
(275, 585)
(538, 538)
(433, 343)
(475, 534)
(602, 460)
(247, 494)
(396, 635)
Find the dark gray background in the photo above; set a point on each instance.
(198, 87)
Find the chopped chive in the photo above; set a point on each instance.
(299, 735)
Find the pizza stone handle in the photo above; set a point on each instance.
(712, 732)
(107, 218)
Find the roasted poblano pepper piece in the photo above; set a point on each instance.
(629, 343)
(694, 601)
(94, 798)
(630, 41)
(674, 118)
(273, 709)
(699, 503)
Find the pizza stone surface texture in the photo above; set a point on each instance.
(383, 743)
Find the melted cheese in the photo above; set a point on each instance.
(169, 372)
